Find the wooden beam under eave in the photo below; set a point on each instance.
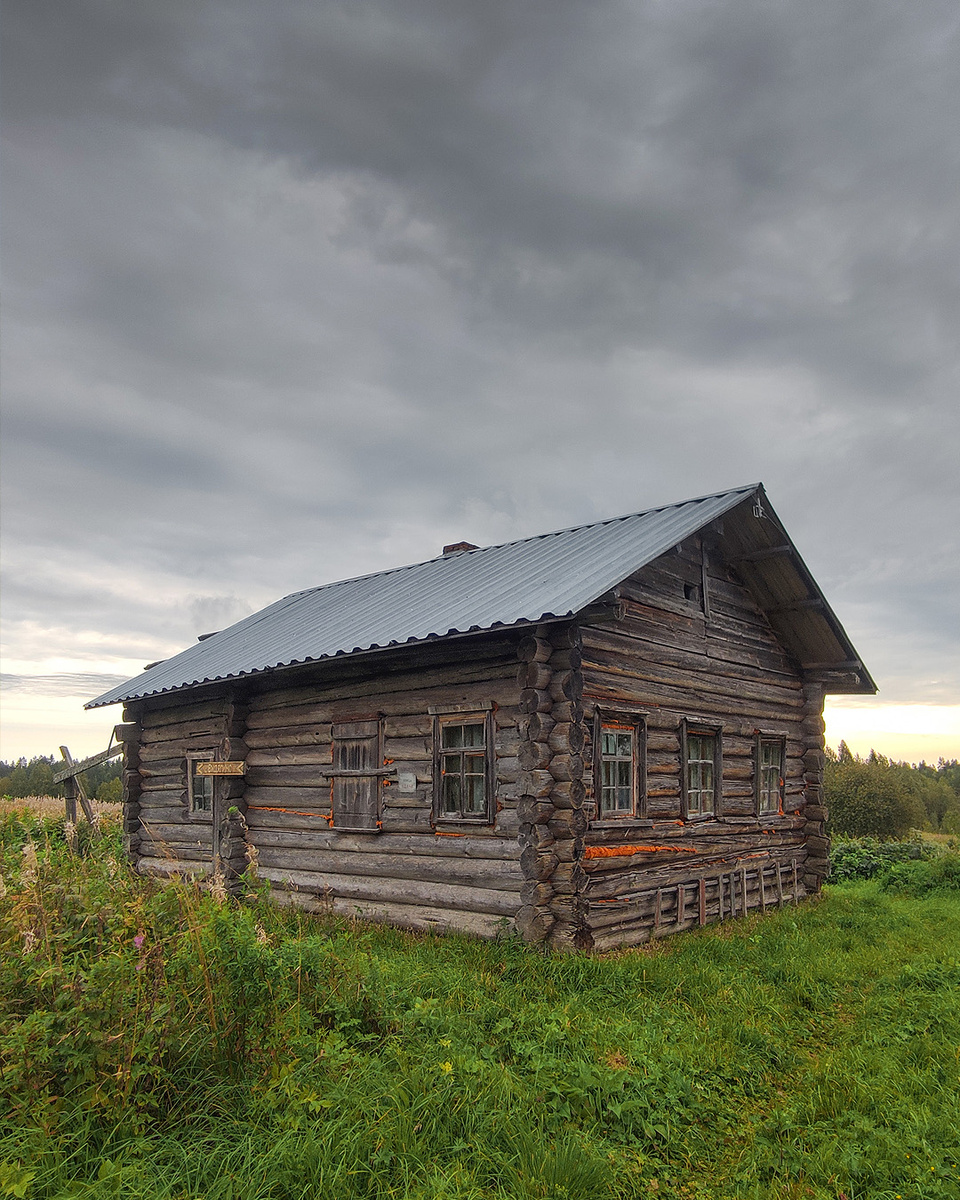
(753, 556)
(797, 606)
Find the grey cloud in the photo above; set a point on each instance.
(70, 684)
(303, 290)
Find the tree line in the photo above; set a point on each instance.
(877, 797)
(35, 778)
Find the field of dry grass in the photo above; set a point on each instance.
(52, 806)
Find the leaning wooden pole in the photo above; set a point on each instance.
(75, 787)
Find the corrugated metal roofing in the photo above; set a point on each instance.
(551, 575)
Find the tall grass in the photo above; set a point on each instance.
(157, 1043)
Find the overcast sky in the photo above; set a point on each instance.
(300, 290)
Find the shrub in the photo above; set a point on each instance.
(941, 874)
(867, 857)
(868, 799)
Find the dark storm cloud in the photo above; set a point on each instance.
(300, 290)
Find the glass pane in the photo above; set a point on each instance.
(624, 774)
(607, 776)
(473, 735)
(625, 744)
(451, 793)
(476, 794)
(608, 743)
(202, 792)
(451, 764)
(624, 799)
(474, 764)
(451, 735)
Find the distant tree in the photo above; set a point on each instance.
(110, 792)
(868, 799)
(33, 778)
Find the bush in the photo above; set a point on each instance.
(865, 858)
(940, 874)
(868, 799)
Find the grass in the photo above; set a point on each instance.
(53, 807)
(157, 1043)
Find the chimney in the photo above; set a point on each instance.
(456, 547)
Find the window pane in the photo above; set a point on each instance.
(451, 793)
(464, 768)
(201, 791)
(701, 775)
(473, 735)
(475, 794)
(616, 770)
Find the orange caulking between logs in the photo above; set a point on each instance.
(625, 851)
(328, 817)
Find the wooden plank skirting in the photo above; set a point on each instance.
(726, 894)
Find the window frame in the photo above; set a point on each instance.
(607, 718)
(478, 716)
(699, 729)
(192, 758)
(769, 739)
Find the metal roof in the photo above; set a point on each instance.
(551, 575)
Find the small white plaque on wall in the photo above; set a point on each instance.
(406, 783)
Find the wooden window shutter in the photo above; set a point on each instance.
(356, 775)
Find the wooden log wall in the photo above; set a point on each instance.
(163, 836)
(413, 871)
(130, 778)
(552, 818)
(815, 812)
(713, 661)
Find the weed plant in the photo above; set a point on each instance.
(870, 857)
(158, 1043)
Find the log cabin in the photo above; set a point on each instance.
(594, 737)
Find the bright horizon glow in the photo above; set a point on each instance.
(903, 732)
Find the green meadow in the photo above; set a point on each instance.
(157, 1043)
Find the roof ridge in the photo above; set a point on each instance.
(643, 512)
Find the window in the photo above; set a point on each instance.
(701, 772)
(199, 789)
(356, 774)
(770, 753)
(464, 767)
(617, 765)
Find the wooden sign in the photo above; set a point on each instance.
(221, 768)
